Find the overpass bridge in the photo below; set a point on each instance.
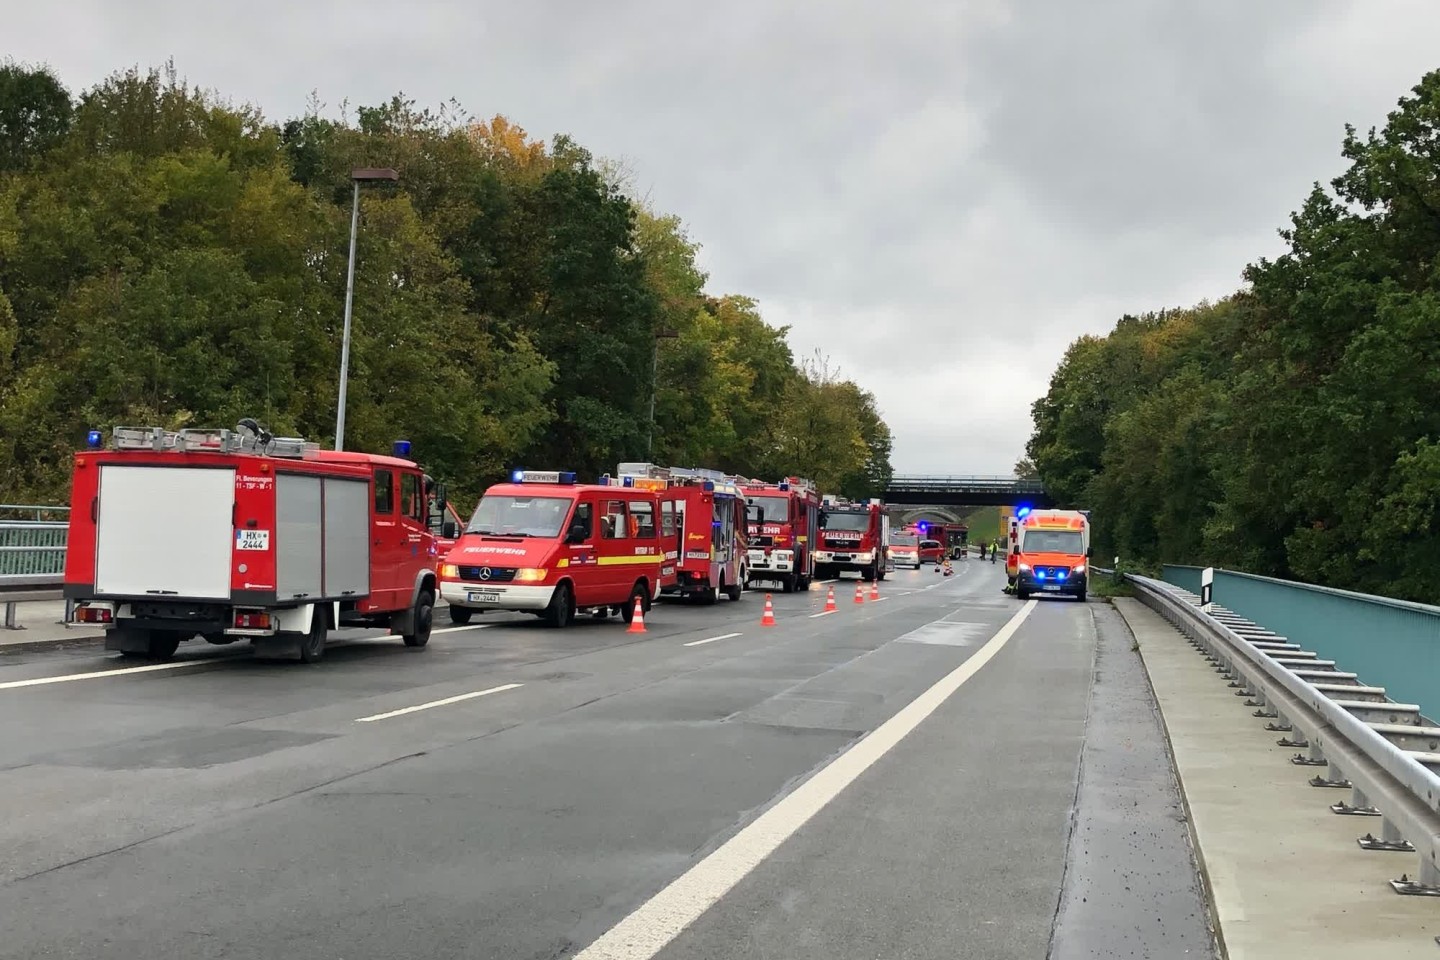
(965, 491)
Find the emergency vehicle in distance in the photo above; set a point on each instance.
(905, 549)
(782, 521)
(240, 535)
(853, 536)
(702, 528)
(1049, 552)
(545, 544)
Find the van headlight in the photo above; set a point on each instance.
(530, 574)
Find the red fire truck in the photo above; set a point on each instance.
(240, 535)
(783, 519)
(853, 536)
(702, 527)
(546, 545)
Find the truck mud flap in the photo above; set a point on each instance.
(121, 640)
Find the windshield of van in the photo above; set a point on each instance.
(512, 516)
(1053, 541)
(847, 521)
(929, 544)
(776, 509)
(903, 540)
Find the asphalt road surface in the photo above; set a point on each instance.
(938, 774)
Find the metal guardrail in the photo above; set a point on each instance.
(1386, 753)
(32, 556)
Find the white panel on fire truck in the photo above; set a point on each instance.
(165, 531)
(347, 537)
(298, 537)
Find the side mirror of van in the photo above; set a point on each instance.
(576, 534)
(1089, 552)
(449, 530)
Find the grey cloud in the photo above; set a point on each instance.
(940, 196)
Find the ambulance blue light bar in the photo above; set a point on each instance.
(542, 476)
(1022, 512)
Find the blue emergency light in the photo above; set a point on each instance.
(784, 485)
(1022, 512)
(604, 480)
(629, 481)
(708, 485)
(402, 448)
(95, 439)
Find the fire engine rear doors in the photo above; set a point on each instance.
(165, 532)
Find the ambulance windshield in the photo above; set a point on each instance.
(510, 516)
(1053, 541)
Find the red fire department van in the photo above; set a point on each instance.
(782, 521)
(545, 544)
(702, 528)
(853, 536)
(240, 535)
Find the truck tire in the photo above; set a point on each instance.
(802, 583)
(788, 583)
(460, 615)
(312, 644)
(733, 591)
(560, 611)
(423, 620)
(163, 645)
(711, 596)
(881, 573)
(1021, 593)
(868, 575)
(1081, 595)
(637, 592)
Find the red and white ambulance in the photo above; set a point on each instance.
(240, 535)
(702, 527)
(544, 544)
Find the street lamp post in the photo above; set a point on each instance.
(655, 376)
(357, 176)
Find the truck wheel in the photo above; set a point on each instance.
(733, 591)
(1021, 593)
(788, 584)
(880, 573)
(559, 612)
(637, 592)
(424, 620)
(802, 583)
(868, 575)
(312, 644)
(460, 615)
(711, 596)
(1081, 595)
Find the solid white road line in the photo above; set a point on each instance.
(823, 613)
(723, 636)
(468, 626)
(440, 703)
(659, 920)
(97, 674)
(878, 599)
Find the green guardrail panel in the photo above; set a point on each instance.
(1186, 578)
(1387, 643)
(32, 548)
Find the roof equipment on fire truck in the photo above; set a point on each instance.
(247, 437)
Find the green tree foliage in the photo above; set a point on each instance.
(1290, 429)
(168, 258)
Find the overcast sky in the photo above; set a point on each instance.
(939, 195)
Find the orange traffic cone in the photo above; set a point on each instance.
(768, 619)
(859, 592)
(875, 590)
(830, 601)
(637, 619)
